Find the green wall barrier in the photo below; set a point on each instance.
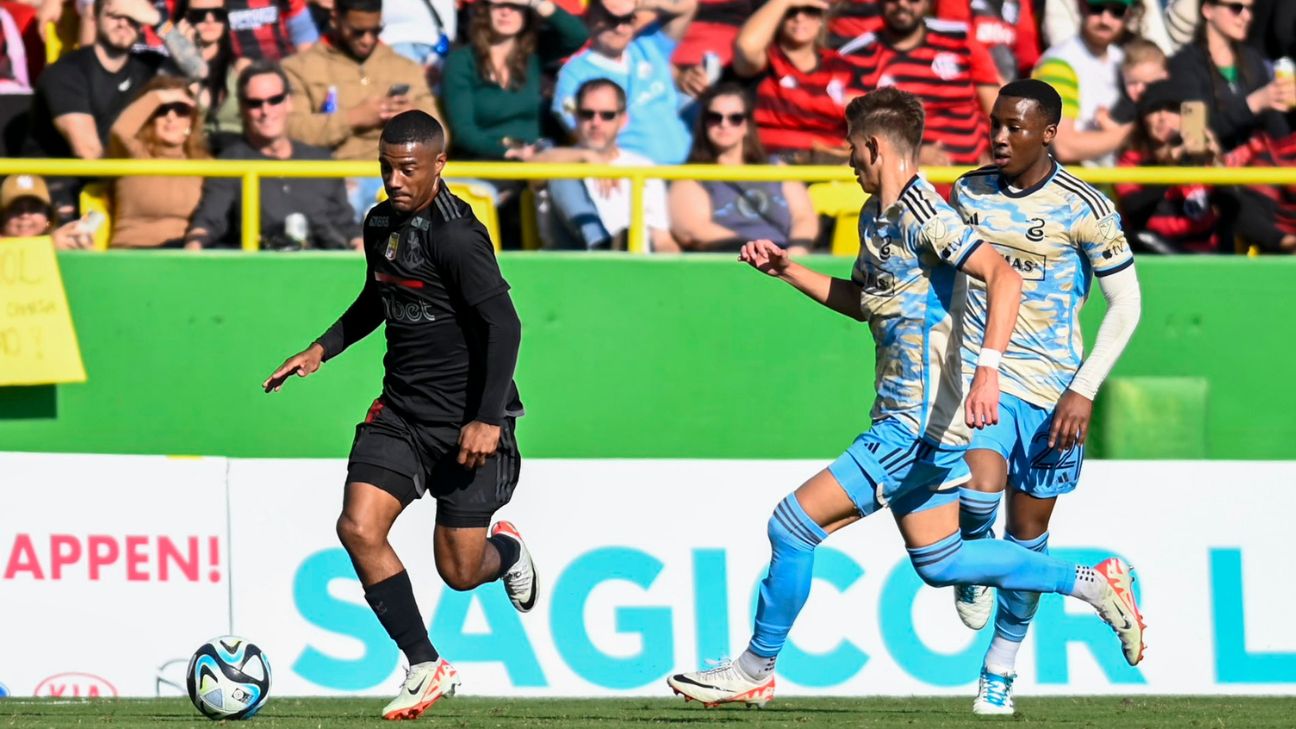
(621, 357)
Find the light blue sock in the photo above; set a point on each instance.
(793, 538)
(1016, 608)
(992, 562)
(977, 511)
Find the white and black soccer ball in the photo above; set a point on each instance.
(228, 678)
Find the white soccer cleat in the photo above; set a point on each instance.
(724, 684)
(994, 695)
(520, 581)
(1118, 608)
(973, 603)
(424, 685)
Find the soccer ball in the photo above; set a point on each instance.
(228, 678)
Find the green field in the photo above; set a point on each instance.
(1106, 712)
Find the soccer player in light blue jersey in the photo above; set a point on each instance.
(906, 286)
(1059, 234)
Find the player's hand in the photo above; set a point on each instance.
(982, 404)
(1070, 421)
(477, 442)
(302, 364)
(766, 257)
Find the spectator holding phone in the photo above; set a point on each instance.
(163, 123)
(26, 212)
(1169, 218)
(347, 86)
(1243, 97)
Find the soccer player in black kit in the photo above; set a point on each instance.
(444, 423)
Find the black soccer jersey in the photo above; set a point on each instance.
(430, 277)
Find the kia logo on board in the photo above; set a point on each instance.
(75, 686)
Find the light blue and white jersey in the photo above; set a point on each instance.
(912, 298)
(1058, 235)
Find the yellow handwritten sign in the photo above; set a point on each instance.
(38, 344)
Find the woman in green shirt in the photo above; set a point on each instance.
(491, 87)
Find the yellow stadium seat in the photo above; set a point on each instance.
(842, 202)
(478, 198)
(61, 37)
(97, 196)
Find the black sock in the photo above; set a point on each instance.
(392, 600)
(508, 549)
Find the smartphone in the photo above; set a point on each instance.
(91, 222)
(1192, 126)
(398, 90)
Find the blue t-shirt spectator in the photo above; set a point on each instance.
(654, 126)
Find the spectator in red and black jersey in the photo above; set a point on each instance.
(713, 30)
(1006, 28)
(851, 19)
(1166, 218)
(1266, 213)
(936, 61)
(269, 29)
(801, 87)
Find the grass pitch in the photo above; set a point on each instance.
(799, 713)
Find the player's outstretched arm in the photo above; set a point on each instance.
(1124, 307)
(357, 322)
(840, 295)
(1003, 294)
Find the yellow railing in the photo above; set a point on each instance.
(251, 173)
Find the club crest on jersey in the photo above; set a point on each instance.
(393, 243)
(946, 65)
(412, 254)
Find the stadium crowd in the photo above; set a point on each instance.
(628, 82)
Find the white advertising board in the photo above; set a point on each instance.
(109, 567)
(646, 567)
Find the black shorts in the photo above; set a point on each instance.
(407, 459)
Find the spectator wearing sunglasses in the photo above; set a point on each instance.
(1242, 96)
(1168, 23)
(937, 61)
(347, 86)
(594, 214)
(801, 85)
(163, 123)
(631, 43)
(79, 97)
(723, 215)
(265, 102)
(206, 24)
(1085, 71)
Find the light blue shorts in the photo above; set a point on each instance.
(1021, 437)
(888, 466)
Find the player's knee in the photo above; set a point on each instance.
(458, 576)
(944, 572)
(356, 535)
(790, 528)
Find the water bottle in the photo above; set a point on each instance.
(1285, 73)
(330, 101)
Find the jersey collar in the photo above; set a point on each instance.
(1007, 192)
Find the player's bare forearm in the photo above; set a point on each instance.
(1003, 294)
(838, 294)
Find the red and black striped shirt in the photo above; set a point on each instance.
(944, 71)
(795, 108)
(1183, 216)
(259, 28)
(851, 19)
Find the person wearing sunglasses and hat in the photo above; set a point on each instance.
(1085, 71)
